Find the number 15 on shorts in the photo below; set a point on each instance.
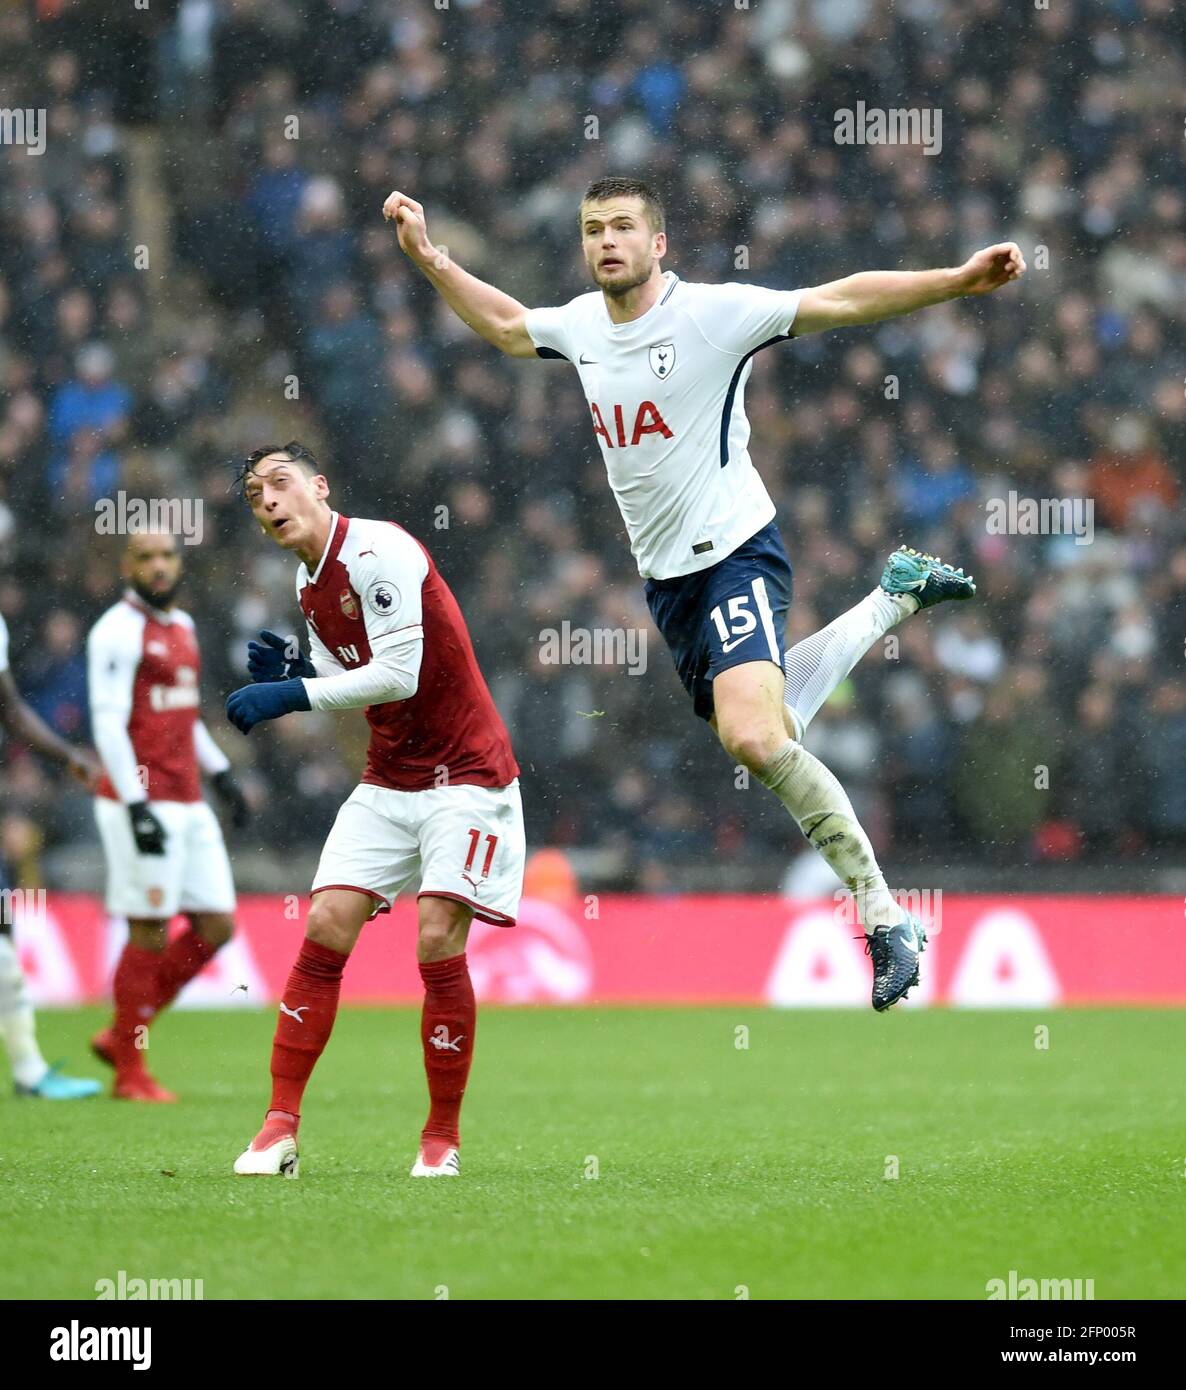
(744, 615)
(742, 621)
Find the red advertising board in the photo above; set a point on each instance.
(985, 951)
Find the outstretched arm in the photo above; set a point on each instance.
(491, 314)
(874, 295)
(24, 724)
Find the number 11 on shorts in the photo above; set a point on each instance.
(475, 837)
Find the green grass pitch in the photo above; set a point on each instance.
(719, 1168)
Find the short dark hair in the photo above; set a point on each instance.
(294, 451)
(616, 187)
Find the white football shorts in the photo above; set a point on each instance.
(463, 842)
(193, 874)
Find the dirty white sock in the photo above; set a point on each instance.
(820, 807)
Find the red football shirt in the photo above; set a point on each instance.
(143, 665)
(375, 584)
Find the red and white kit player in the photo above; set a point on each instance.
(438, 802)
(162, 842)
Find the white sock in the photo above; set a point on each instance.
(817, 665)
(822, 810)
(16, 1019)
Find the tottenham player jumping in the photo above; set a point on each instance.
(439, 800)
(664, 364)
(162, 842)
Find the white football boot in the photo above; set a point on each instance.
(276, 1159)
(437, 1161)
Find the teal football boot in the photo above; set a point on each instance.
(925, 577)
(55, 1085)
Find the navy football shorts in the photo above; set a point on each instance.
(733, 612)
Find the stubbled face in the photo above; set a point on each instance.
(286, 501)
(619, 246)
(152, 566)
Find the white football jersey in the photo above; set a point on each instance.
(666, 392)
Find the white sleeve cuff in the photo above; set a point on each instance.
(393, 673)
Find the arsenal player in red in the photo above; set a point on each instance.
(438, 802)
(163, 845)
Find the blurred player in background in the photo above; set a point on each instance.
(162, 842)
(439, 799)
(663, 365)
(31, 1073)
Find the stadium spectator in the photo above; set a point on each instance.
(88, 421)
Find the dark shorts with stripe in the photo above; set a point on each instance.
(733, 612)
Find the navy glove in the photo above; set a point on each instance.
(267, 659)
(246, 707)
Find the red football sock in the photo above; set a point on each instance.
(447, 1032)
(179, 963)
(135, 988)
(307, 1013)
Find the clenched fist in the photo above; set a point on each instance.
(408, 216)
(991, 268)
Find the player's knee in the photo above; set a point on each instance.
(747, 743)
(328, 925)
(216, 928)
(437, 941)
(444, 926)
(148, 934)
